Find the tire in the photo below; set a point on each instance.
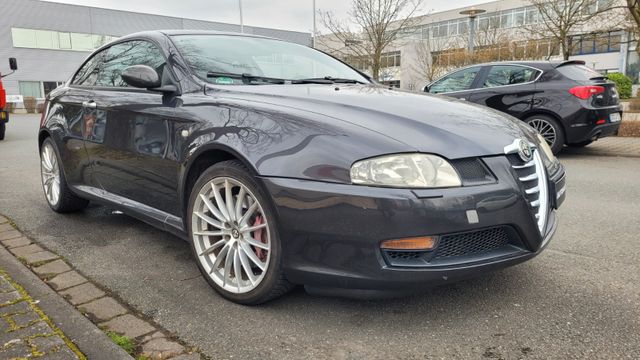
(211, 231)
(56, 191)
(3, 128)
(580, 144)
(550, 129)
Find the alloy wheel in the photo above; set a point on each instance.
(545, 129)
(231, 235)
(50, 170)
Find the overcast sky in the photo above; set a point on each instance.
(281, 14)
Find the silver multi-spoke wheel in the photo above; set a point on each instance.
(231, 235)
(50, 170)
(546, 129)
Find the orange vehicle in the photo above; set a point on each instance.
(4, 114)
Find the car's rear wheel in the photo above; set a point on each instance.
(56, 191)
(234, 235)
(550, 130)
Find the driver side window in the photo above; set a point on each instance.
(458, 81)
(120, 56)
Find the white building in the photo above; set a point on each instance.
(444, 34)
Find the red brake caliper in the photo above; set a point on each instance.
(258, 235)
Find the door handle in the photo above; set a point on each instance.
(89, 104)
(462, 98)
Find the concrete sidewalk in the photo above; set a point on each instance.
(609, 146)
(25, 330)
(37, 322)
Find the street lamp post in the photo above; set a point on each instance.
(313, 36)
(241, 19)
(472, 13)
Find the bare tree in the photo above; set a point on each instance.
(559, 19)
(428, 65)
(634, 11)
(378, 24)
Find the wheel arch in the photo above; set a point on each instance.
(42, 135)
(550, 114)
(202, 159)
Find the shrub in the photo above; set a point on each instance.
(40, 108)
(30, 104)
(623, 84)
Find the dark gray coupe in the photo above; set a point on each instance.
(281, 165)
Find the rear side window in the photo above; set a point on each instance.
(501, 75)
(88, 73)
(458, 81)
(120, 56)
(578, 72)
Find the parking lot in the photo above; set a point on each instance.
(578, 299)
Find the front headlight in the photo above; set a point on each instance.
(405, 171)
(550, 160)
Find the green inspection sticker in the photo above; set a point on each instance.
(224, 81)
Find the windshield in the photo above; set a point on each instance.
(213, 56)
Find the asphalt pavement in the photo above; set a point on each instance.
(578, 299)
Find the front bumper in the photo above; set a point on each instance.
(332, 232)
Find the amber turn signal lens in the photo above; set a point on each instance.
(413, 243)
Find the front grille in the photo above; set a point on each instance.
(471, 243)
(531, 175)
(472, 171)
(404, 255)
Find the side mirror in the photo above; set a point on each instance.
(427, 88)
(13, 64)
(141, 76)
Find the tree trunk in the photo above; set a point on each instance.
(634, 9)
(566, 48)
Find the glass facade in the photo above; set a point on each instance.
(388, 59)
(57, 40)
(37, 89)
(30, 89)
(505, 19)
(596, 43)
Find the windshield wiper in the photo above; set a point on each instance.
(245, 77)
(326, 80)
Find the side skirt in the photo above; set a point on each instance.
(142, 212)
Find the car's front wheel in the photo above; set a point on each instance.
(550, 129)
(56, 191)
(234, 235)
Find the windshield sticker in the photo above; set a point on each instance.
(224, 81)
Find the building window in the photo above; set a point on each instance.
(390, 59)
(57, 40)
(49, 86)
(391, 83)
(30, 89)
(596, 43)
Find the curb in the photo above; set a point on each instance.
(91, 341)
(91, 317)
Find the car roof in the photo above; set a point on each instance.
(156, 33)
(552, 64)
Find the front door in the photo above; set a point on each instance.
(131, 151)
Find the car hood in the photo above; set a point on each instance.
(425, 123)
